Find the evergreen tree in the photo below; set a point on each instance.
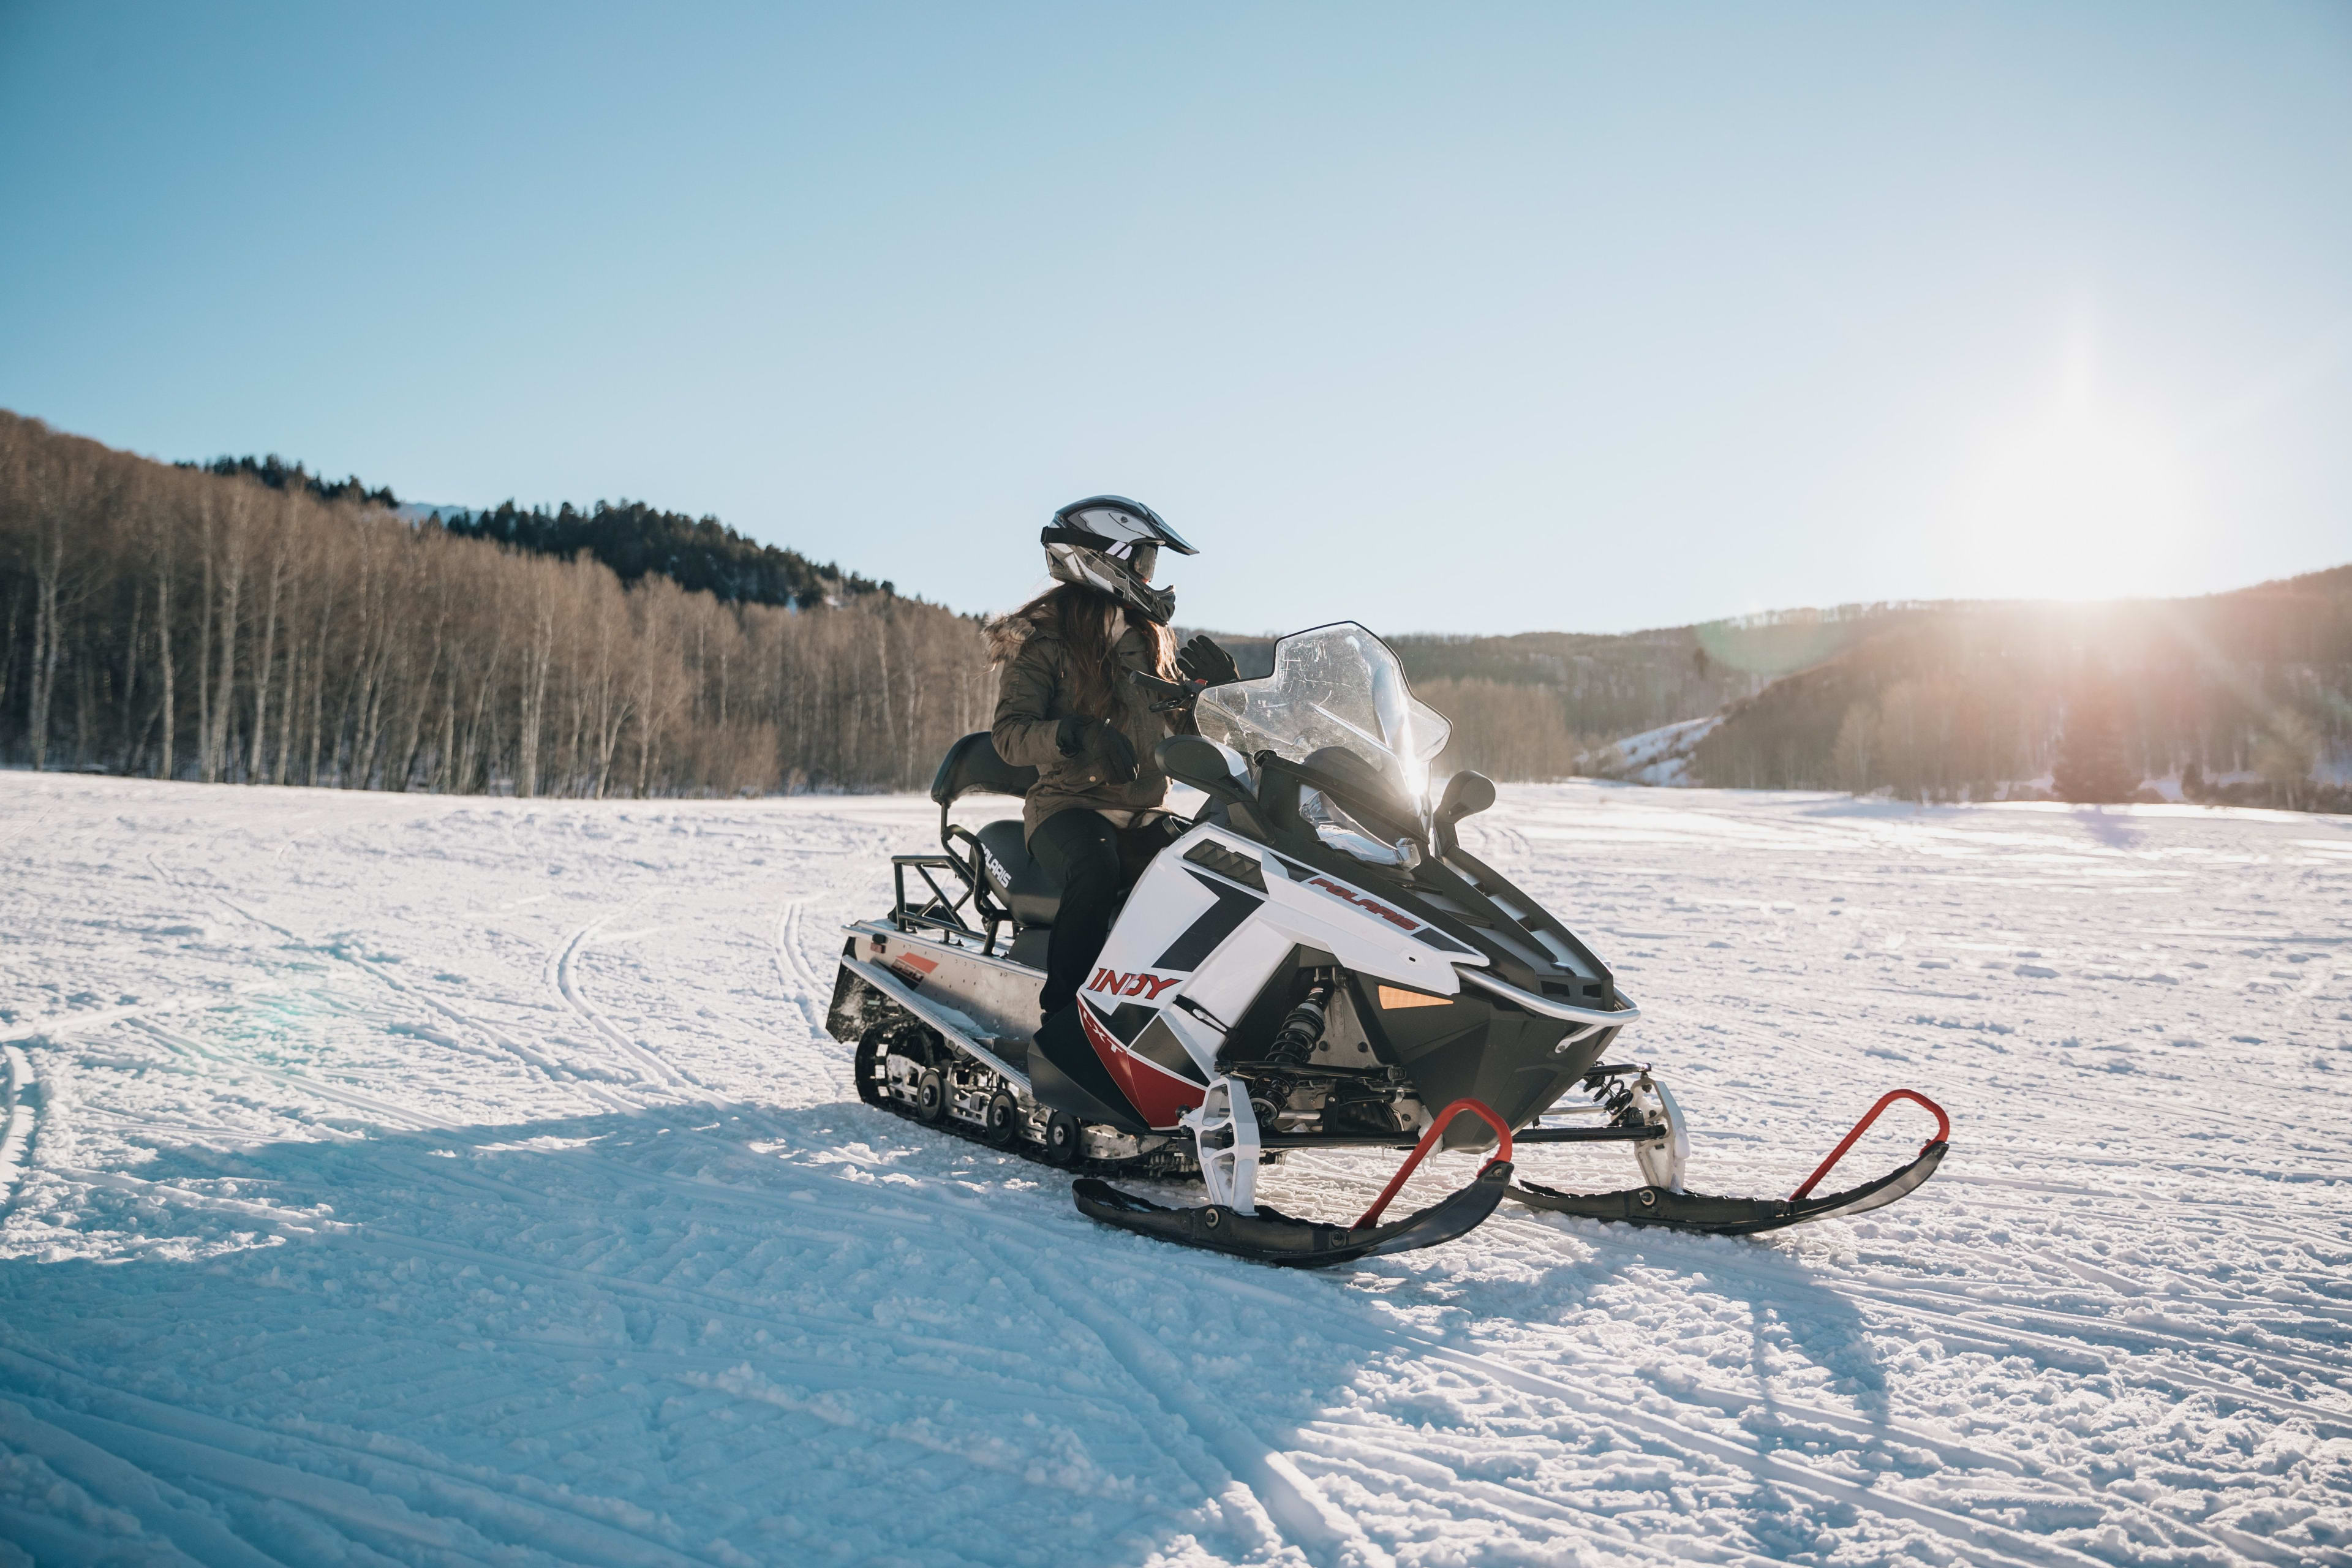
(2090, 767)
(699, 554)
(278, 475)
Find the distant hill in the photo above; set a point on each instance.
(2244, 696)
(1550, 704)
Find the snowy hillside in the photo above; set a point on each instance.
(428, 1179)
(1659, 756)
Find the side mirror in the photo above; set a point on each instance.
(1466, 795)
(1190, 758)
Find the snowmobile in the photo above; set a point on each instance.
(1316, 963)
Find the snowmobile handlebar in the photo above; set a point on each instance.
(1943, 1133)
(1172, 695)
(1429, 1140)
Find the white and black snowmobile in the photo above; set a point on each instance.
(1315, 964)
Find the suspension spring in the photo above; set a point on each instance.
(1295, 1041)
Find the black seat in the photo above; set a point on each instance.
(1019, 883)
(972, 767)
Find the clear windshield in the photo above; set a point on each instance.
(1334, 686)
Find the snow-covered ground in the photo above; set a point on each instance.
(437, 1180)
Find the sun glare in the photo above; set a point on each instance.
(2078, 501)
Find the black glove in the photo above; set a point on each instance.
(1203, 661)
(1099, 745)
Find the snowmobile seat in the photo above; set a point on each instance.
(1000, 854)
(1019, 883)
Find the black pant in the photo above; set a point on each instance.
(1094, 863)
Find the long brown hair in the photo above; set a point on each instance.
(1081, 618)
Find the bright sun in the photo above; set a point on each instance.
(2077, 503)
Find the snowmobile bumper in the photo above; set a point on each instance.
(1710, 1214)
(1271, 1236)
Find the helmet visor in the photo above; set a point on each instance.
(1143, 559)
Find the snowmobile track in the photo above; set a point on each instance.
(16, 1115)
(564, 976)
(1022, 1149)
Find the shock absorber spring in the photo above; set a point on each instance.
(1295, 1041)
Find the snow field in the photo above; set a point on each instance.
(426, 1180)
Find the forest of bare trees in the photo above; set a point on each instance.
(183, 623)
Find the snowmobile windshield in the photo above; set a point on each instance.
(1334, 687)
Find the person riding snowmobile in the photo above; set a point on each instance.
(1319, 964)
(1067, 707)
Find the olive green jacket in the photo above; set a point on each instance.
(1030, 707)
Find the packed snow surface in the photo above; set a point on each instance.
(428, 1179)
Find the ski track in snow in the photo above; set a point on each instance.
(423, 1179)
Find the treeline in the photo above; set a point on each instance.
(1503, 729)
(247, 621)
(278, 475)
(187, 623)
(2241, 695)
(701, 554)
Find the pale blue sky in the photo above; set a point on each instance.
(1445, 318)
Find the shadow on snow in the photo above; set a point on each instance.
(736, 1334)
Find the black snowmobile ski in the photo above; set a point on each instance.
(1707, 1214)
(1269, 1236)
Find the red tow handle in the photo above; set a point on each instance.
(1429, 1139)
(1943, 1133)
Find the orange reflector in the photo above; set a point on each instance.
(1393, 997)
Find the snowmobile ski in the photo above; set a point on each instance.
(1269, 1236)
(1712, 1215)
(1266, 1234)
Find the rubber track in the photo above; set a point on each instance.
(1134, 1169)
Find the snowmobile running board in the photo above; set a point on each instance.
(1269, 1236)
(1708, 1214)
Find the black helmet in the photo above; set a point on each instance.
(1112, 543)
